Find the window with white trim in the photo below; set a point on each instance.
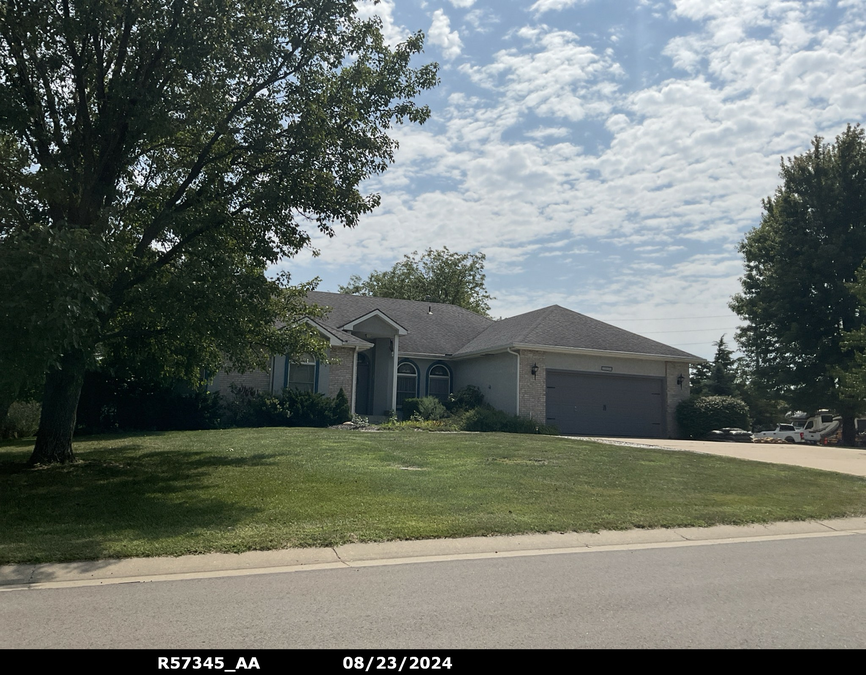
(302, 376)
(407, 383)
(439, 382)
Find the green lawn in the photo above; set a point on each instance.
(242, 489)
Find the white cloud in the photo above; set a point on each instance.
(462, 4)
(647, 219)
(384, 9)
(440, 34)
(542, 6)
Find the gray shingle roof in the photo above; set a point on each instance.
(435, 328)
(557, 326)
(444, 331)
(346, 338)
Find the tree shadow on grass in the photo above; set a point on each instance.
(121, 502)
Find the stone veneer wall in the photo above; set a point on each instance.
(675, 393)
(533, 390)
(342, 373)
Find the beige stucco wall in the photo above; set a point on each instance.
(494, 374)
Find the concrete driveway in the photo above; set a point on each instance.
(824, 457)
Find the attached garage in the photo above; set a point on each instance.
(605, 404)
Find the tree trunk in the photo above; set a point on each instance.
(849, 431)
(59, 405)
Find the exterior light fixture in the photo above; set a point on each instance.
(534, 369)
(680, 379)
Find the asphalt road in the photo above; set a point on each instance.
(792, 593)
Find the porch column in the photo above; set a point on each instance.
(354, 381)
(394, 382)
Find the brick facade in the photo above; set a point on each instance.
(260, 380)
(533, 388)
(342, 373)
(674, 393)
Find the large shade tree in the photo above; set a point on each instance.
(437, 275)
(156, 156)
(800, 263)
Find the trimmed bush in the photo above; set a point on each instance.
(342, 410)
(467, 398)
(697, 416)
(490, 419)
(292, 408)
(22, 420)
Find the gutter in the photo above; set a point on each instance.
(582, 350)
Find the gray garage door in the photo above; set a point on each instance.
(605, 405)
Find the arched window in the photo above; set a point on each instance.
(439, 382)
(407, 382)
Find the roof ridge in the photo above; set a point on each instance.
(545, 312)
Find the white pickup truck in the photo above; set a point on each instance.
(783, 432)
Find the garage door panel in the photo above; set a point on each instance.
(605, 405)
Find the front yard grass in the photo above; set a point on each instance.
(235, 490)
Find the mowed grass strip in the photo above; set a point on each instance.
(252, 489)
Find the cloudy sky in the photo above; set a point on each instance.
(606, 155)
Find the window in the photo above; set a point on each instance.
(439, 382)
(302, 376)
(407, 382)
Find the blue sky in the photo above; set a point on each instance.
(606, 155)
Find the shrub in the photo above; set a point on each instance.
(467, 398)
(490, 419)
(410, 408)
(342, 410)
(427, 408)
(308, 409)
(108, 403)
(697, 416)
(22, 420)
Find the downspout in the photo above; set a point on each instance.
(517, 388)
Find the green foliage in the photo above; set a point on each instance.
(110, 403)
(490, 419)
(434, 276)
(410, 408)
(292, 408)
(156, 157)
(799, 294)
(467, 398)
(697, 416)
(22, 420)
(426, 408)
(342, 410)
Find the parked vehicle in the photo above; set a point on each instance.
(730, 434)
(782, 432)
(820, 426)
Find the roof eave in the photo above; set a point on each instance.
(690, 358)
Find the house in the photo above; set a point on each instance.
(552, 364)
